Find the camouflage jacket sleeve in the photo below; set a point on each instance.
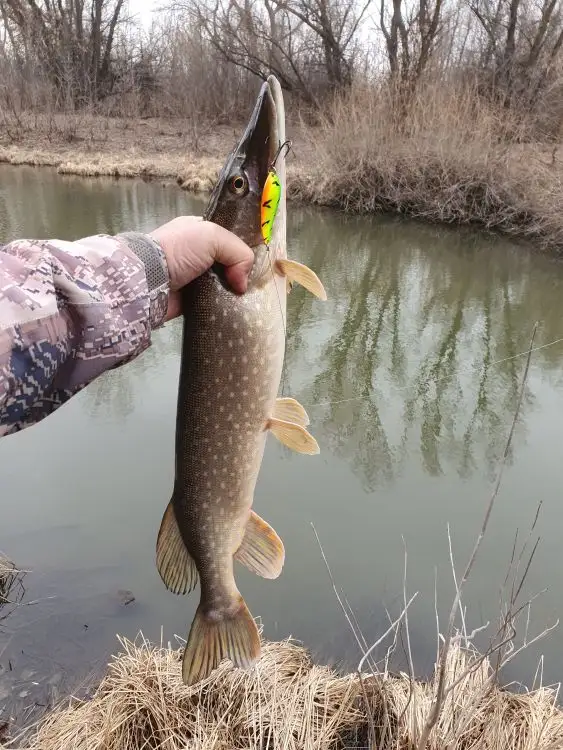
(69, 311)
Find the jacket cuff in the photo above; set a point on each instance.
(149, 251)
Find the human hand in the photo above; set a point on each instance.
(191, 246)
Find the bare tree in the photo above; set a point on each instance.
(335, 23)
(71, 41)
(519, 47)
(308, 44)
(411, 36)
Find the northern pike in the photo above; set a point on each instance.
(232, 357)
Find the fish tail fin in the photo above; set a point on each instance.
(216, 635)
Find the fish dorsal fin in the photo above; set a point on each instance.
(293, 436)
(174, 563)
(300, 274)
(291, 410)
(261, 549)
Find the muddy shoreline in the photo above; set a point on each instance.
(170, 151)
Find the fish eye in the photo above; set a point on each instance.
(238, 184)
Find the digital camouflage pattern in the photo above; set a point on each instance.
(69, 311)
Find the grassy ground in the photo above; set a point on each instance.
(289, 702)
(450, 160)
(93, 146)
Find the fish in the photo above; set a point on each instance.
(232, 354)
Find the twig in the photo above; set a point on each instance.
(390, 629)
(439, 700)
(356, 636)
(339, 598)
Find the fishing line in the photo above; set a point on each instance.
(287, 145)
(439, 380)
(284, 366)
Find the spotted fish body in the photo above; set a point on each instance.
(231, 364)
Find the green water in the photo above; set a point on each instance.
(410, 373)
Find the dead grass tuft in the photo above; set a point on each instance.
(11, 586)
(452, 159)
(290, 702)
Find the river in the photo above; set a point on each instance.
(410, 373)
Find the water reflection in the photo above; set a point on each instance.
(416, 323)
(410, 373)
(417, 351)
(69, 207)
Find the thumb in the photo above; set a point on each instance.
(235, 255)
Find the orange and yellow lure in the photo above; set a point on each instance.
(270, 201)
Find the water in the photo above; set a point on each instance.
(410, 373)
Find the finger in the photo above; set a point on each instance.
(230, 251)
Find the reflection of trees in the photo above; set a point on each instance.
(69, 207)
(403, 358)
(416, 321)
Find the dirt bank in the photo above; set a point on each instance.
(442, 172)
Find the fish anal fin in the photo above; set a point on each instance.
(218, 635)
(290, 410)
(261, 549)
(293, 436)
(175, 565)
(300, 274)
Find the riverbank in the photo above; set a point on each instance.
(93, 146)
(10, 582)
(290, 702)
(450, 166)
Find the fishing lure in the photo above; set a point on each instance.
(271, 195)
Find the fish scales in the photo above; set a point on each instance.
(228, 388)
(231, 364)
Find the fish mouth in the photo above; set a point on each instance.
(256, 150)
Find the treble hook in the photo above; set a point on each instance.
(288, 145)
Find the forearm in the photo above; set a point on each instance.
(69, 311)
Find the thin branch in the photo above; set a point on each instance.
(440, 693)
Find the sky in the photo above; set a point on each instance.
(143, 10)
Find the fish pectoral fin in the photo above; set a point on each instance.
(291, 410)
(261, 549)
(303, 275)
(293, 436)
(175, 565)
(219, 635)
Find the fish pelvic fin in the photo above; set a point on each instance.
(216, 635)
(293, 436)
(291, 410)
(261, 549)
(175, 565)
(300, 274)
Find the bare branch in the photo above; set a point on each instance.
(441, 691)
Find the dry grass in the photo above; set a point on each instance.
(455, 159)
(11, 587)
(93, 146)
(289, 702)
